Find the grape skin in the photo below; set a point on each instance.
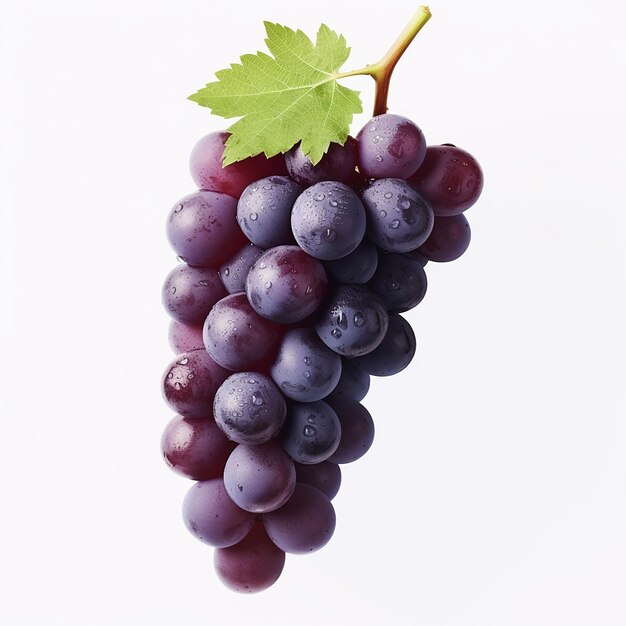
(355, 268)
(325, 476)
(390, 146)
(353, 384)
(259, 478)
(202, 228)
(195, 447)
(205, 164)
(184, 338)
(252, 565)
(337, 164)
(212, 517)
(234, 271)
(448, 240)
(189, 293)
(357, 432)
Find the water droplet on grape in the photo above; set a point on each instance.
(309, 431)
(359, 319)
(342, 320)
(330, 234)
(184, 361)
(204, 283)
(252, 381)
(268, 284)
(253, 216)
(376, 139)
(262, 266)
(372, 129)
(179, 208)
(226, 272)
(395, 286)
(255, 188)
(308, 291)
(336, 333)
(257, 399)
(189, 376)
(173, 290)
(170, 375)
(395, 224)
(319, 197)
(382, 213)
(177, 385)
(307, 360)
(379, 158)
(388, 194)
(333, 203)
(307, 374)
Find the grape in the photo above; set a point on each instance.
(398, 218)
(357, 432)
(285, 284)
(234, 271)
(252, 565)
(235, 336)
(400, 282)
(184, 338)
(337, 164)
(212, 517)
(264, 211)
(418, 256)
(305, 369)
(353, 384)
(448, 240)
(328, 220)
(304, 524)
(395, 351)
(249, 408)
(390, 146)
(202, 228)
(207, 172)
(195, 447)
(190, 382)
(353, 321)
(311, 433)
(259, 478)
(355, 268)
(325, 476)
(449, 179)
(189, 293)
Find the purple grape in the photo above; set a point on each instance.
(184, 338)
(355, 268)
(207, 172)
(337, 164)
(352, 386)
(248, 408)
(235, 336)
(353, 321)
(418, 256)
(286, 284)
(305, 369)
(357, 432)
(311, 433)
(234, 271)
(400, 282)
(398, 218)
(195, 447)
(252, 565)
(264, 211)
(189, 293)
(449, 179)
(202, 228)
(394, 353)
(448, 240)
(325, 476)
(304, 524)
(259, 478)
(190, 382)
(212, 517)
(328, 220)
(390, 146)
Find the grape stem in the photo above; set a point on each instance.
(382, 70)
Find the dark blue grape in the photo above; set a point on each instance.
(264, 211)
(390, 146)
(357, 432)
(248, 408)
(394, 353)
(353, 321)
(400, 282)
(325, 476)
(355, 268)
(337, 164)
(353, 384)
(311, 433)
(398, 218)
(448, 240)
(234, 271)
(305, 369)
(328, 220)
(286, 284)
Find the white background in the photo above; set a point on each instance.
(495, 492)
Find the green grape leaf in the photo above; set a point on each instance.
(285, 98)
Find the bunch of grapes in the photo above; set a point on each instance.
(288, 297)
